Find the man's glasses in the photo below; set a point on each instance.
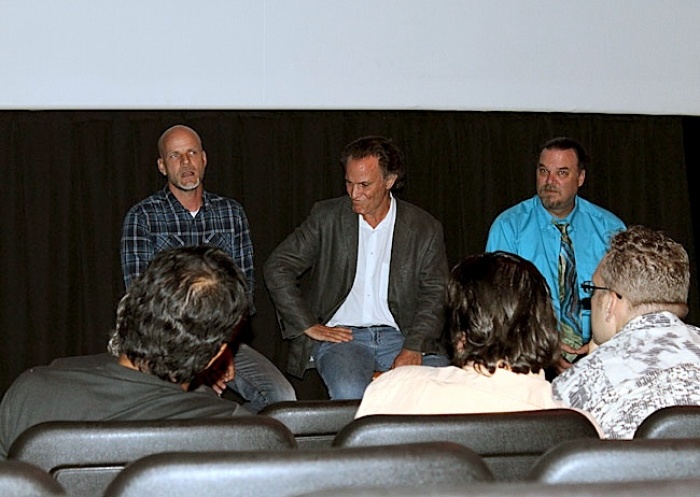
(588, 288)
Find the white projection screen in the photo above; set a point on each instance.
(606, 56)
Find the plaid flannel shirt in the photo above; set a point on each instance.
(160, 222)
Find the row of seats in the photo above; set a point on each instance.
(85, 457)
(669, 466)
(316, 423)
(425, 465)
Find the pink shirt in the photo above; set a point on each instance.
(453, 390)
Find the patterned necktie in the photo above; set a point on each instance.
(571, 332)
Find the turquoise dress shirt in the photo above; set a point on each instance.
(527, 229)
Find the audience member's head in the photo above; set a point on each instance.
(643, 271)
(389, 156)
(499, 314)
(180, 313)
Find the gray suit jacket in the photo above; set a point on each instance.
(326, 245)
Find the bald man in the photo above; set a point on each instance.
(184, 214)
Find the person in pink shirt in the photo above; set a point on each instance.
(504, 335)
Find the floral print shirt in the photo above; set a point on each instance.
(653, 362)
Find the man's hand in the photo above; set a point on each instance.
(563, 364)
(329, 334)
(407, 358)
(221, 371)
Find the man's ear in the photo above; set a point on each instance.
(161, 167)
(390, 180)
(611, 306)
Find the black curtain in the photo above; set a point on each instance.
(71, 176)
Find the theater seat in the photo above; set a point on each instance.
(508, 442)
(607, 461)
(84, 456)
(314, 423)
(20, 479)
(671, 422)
(290, 473)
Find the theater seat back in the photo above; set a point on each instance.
(85, 456)
(509, 442)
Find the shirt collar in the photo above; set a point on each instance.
(660, 319)
(172, 199)
(545, 219)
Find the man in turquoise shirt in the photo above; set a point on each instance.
(529, 227)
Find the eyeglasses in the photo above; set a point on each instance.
(588, 288)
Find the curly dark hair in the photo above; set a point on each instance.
(390, 157)
(180, 311)
(499, 313)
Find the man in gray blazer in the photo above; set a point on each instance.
(377, 274)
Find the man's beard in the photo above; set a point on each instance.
(548, 201)
(189, 186)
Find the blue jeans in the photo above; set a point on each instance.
(259, 381)
(347, 367)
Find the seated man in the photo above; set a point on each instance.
(647, 357)
(184, 213)
(173, 323)
(504, 335)
(378, 269)
(562, 234)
